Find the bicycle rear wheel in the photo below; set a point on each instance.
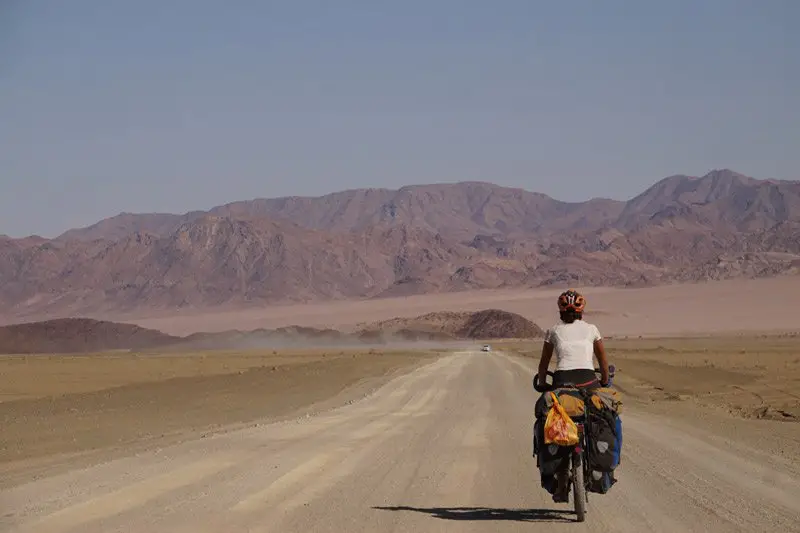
(578, 487)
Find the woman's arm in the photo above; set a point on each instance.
(600, 353)
(544, 362)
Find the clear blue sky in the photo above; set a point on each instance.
(173, 105)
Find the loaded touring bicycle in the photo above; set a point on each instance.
(587, 462)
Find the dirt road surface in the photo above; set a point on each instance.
(446, 447)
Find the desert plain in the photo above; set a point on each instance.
(409, 437)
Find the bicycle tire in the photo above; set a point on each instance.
(578, 488)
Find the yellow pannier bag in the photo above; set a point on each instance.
(573, 405)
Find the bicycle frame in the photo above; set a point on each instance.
(581, 449)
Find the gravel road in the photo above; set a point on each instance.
(446, 447)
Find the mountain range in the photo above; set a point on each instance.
(368, 243)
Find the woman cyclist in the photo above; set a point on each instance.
(575, 344)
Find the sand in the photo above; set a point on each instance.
(77, 409)
(675, 310)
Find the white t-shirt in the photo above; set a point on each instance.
(573, 344)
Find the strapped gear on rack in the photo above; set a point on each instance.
(601, 416)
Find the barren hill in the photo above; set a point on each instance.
(486, 324)
(80, 335)
(216, 260)
(498, 324)
(425, 238)
(722, 199)
(73, 335)
(467, 209)
(460, 210)
(124, 224)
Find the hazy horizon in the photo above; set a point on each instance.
(176, 106)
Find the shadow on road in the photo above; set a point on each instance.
(488, 513)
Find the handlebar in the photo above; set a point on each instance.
(549, 386)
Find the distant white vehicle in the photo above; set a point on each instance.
(486, 348)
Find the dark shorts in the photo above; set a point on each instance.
(584, 378)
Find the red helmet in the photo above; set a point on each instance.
(571, 300)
